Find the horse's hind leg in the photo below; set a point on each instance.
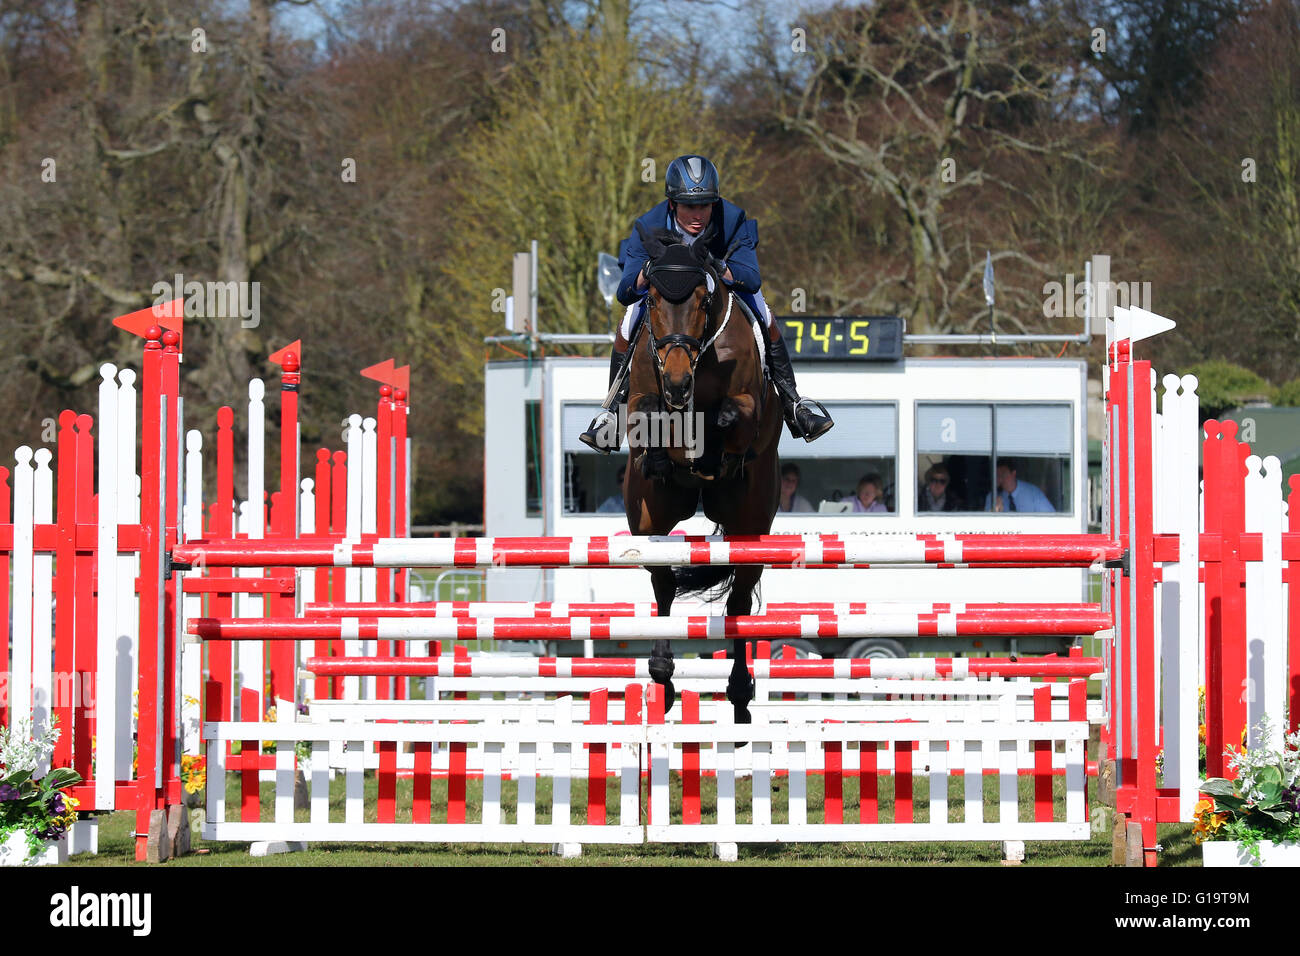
(661, 656)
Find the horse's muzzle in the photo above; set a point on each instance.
(677, 395)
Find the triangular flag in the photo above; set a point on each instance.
(382, 372)
(277, 357)
(1136, 324)
(169, 315)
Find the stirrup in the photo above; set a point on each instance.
(819, 428)
(591, 437)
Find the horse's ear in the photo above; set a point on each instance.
(654, 246)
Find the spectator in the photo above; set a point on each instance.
(936, 492)
(614, 503)
(791, 500)
(870, 495)
(1015, 495)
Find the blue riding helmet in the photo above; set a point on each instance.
(692, 180)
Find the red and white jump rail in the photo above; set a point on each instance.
(1080, 620)
(776, 551)
(555, 609)
(619, 668)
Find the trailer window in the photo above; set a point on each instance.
(533, 459)
(590, 481)
(860, 452)
(966, 450)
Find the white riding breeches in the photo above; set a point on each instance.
(628, 325)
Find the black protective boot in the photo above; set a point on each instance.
(800, 416)
(604, 428)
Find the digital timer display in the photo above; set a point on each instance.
(863, 338)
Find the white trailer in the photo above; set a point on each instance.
(894, 420)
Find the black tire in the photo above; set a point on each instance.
(876, 647)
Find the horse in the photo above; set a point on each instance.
(701, 363)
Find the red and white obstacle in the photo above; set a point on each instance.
(1007, 621)
(117, 639)
(774, 551)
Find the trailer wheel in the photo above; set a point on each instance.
(877, 647)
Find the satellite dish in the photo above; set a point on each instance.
(608, 275)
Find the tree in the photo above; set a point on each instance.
(1155, 53)
(1229, 200)
(575, 151)
(928, 105)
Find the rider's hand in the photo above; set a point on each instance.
(640, 280)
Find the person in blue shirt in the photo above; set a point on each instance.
(1015, 495)
(691, 185)
(614, 503)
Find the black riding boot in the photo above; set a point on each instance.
(604, 434)
(800, 416)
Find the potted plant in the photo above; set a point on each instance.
(34, 812)
(1254, 818)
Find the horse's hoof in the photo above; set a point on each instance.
(661, 669)
(740, 693)
(670, 695)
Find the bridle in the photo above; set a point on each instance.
(695, 349)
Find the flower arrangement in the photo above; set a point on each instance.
(1262, 803)
(194, 773)
(35, 806)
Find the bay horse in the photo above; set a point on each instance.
(699, 361)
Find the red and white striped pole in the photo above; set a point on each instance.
(811, 551)
(649, 608)
(705, 668)
(694, 627)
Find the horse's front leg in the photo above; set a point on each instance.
(661, 656)
(740, 686)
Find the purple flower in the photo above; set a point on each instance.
(8, 792)
(1291, 797)
(56, 803)
(53, 832)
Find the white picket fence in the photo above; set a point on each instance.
(521, 742)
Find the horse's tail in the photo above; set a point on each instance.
(708, 582)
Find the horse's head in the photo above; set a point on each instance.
(683, 303)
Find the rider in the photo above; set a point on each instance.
(691, 185)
